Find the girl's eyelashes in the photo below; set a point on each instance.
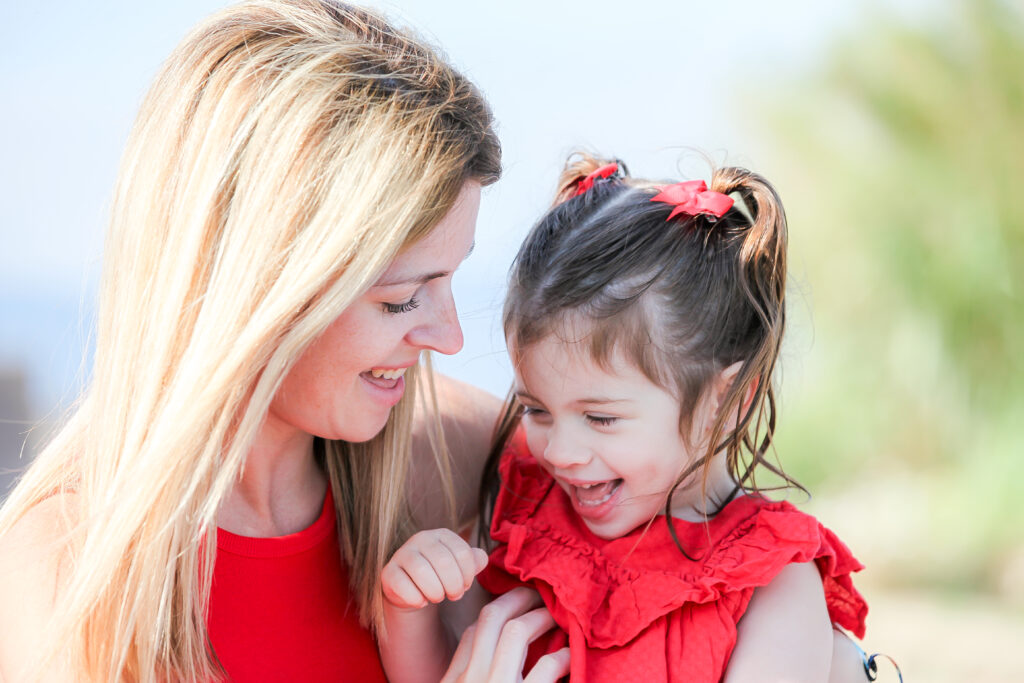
(404, 307)
(598, 420)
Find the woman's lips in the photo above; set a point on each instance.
(387, 384)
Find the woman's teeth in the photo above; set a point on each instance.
(387, 374)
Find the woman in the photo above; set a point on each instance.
(300, 184)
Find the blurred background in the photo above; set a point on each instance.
(893, 130)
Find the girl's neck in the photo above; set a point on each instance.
(690, 505)
(281, 489)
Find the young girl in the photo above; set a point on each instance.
(644, 322)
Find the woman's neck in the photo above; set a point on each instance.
(281, 489)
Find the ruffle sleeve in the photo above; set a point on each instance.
(610, 591)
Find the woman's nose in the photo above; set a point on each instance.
(443, 333)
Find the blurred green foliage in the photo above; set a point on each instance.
(904, 179)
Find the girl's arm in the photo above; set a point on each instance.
(429, 568)
(847, 660)
(786, 633)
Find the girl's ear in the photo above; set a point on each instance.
(722, 384)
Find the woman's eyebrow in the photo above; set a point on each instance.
(412, 280)
(422, 279)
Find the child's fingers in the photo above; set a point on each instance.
(399, 589)
(471, 560)
(422, 572)
(449, 568)
(437, 563)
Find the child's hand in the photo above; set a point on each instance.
(429, 567)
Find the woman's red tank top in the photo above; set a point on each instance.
(280, 609)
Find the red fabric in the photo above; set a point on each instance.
(635, 608)
(280, 609)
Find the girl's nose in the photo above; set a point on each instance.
(564, 452)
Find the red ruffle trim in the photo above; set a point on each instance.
(614, 589)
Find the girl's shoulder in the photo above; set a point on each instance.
(759, 538)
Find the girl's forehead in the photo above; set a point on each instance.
(554, 356)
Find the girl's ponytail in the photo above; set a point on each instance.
(578, 167)
(762, 255)
(758, 223)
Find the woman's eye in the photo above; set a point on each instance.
(533, 412)
(601, 420)
(404, 307)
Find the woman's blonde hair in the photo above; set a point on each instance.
(286, 153)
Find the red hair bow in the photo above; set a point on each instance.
(693, 198)
(605, 171)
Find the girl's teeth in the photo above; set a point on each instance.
(387, 374)
(596, 494)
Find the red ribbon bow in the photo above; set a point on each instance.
(693, 198)
(605, 171)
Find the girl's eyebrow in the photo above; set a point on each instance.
(523, 393)
(422, 279)
(597, 400)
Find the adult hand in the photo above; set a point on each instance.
(493, 649)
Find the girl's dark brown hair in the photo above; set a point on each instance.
(681, 299)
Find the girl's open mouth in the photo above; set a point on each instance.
(595, 500)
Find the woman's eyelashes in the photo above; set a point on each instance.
(403, 307)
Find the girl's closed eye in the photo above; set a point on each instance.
(403, 307)
(532, 411)
(602, 420)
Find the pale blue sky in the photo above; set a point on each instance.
(640, 80)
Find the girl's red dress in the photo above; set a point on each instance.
(635, 608)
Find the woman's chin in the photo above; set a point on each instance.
(362, 433)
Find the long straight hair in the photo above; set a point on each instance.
(286, 153)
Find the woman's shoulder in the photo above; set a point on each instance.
(34, 563)
(468, 416)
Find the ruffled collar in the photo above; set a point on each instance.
(613, 589)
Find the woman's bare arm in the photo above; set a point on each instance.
(33, 564)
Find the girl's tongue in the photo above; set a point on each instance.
(596, 494)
